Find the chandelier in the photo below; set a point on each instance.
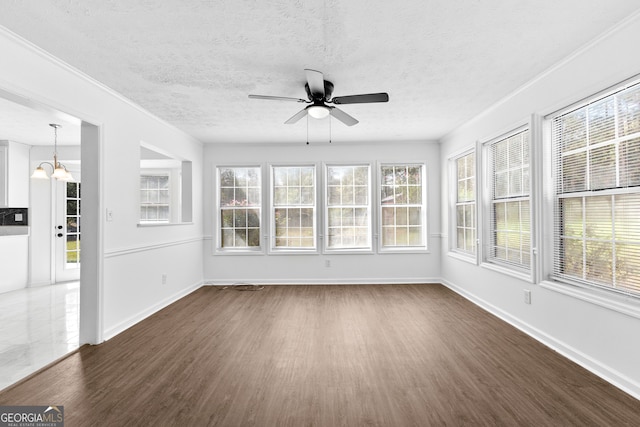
(60, 172)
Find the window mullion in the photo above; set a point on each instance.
(616, 135)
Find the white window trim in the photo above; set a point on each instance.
(217, 220)
(618, 302)
(271, 248)
(463, 256)
(424, 248)
(454, 252)
(325, 211)
(486, 194)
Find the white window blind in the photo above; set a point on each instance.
(597, 192)
(465, 219)
(509, 211)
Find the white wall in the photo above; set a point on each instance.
(129, 294)
(582, 325)
(310, 268)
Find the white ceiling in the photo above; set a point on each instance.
(25, 122)
(193, 63)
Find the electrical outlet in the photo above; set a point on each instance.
(327, 263)
(164, 279)
(109, 215)
(527, 296)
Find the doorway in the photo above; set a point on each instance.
(21, 119)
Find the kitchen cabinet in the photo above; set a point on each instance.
(14, 174)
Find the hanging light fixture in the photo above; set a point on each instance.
(60, 172)
(318, 111)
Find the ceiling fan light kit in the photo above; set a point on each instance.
(319, 92)
(318, 111)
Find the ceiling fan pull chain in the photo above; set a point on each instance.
(329, 128)
(307, 129)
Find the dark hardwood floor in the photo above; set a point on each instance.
(392, 355)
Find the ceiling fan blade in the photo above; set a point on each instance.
(300, 114)
(361, 99)
(343, 117)
(315, 80)
(276, 98)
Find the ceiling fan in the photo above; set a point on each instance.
(319, 92)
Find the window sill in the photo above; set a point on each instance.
(294, 252)
(508, 271)
(233, 252)
(161, 224)
(403, 251)
(471, 259)
(623, 304)
(348, 252)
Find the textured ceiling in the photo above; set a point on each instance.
(193, 63)
(28, 123)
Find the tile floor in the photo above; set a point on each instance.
(37, 326)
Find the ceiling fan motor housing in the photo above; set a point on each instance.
(328, 91)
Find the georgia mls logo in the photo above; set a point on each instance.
(31, 416)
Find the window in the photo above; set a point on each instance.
(154, 198)
(239, 202)
(293, 207)
(166, 187)
(402, 206)
(72, 219)
(509, 211)
(348, 212)
(597, 192)
(465, 204)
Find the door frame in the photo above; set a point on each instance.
(92, 243)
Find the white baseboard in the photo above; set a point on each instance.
(334, 281)
(39, 284)
(127, 323)
(605, 372)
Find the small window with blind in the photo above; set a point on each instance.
(596, 150)
(465, 204)
(509, 239)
